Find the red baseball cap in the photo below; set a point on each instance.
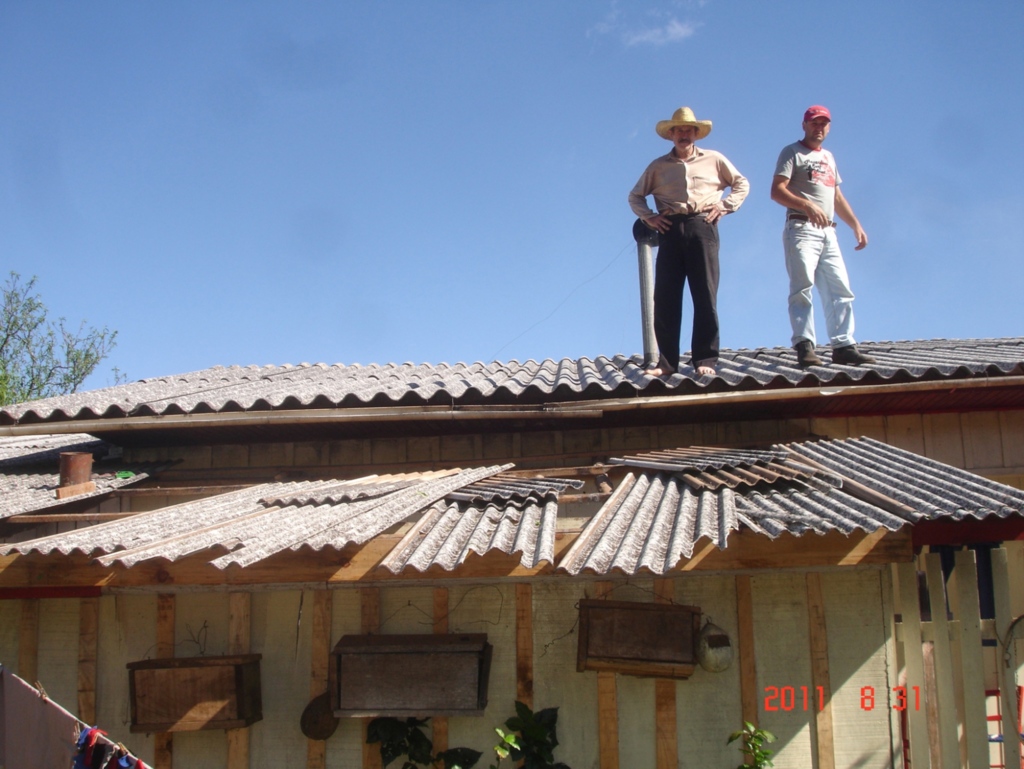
(817, 111)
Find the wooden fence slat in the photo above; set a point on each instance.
(946, 705)
(818, 635)
(748, 661)
(1007, 666)
(971, 661)
(88, 637)
(917, 719)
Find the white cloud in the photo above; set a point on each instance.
(672, 32)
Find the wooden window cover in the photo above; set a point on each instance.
(410, 675)
(193, 693)
(639, 639)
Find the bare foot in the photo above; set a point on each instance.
(705, 368)
(656, 371)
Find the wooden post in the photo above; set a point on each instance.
(439, 725)
(748, 661)
(239, 635)
(370, 620)
(666, 748)
(28, 640)
(946, 741)
(1007, 663)
(820, 679)
(971, 661)
(88, 612)
(524, 644)
(916, 716)
(163, 743)
(607, 708)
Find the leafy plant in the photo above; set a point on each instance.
(537, 738)
(530, 738)
(398, 737)
(753, 745)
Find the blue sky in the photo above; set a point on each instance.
(358, 182)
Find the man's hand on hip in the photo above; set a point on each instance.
(713, 212)
(658, 222)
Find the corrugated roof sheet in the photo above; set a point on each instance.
(652, 521)
(30, 471)
(254, 388)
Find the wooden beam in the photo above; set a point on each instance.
(910, 609)
(1007, 665)
(666, 735)
(972, 662)
(163, 743)
(439, 725)
(946, 739)
(88, 637)
(747, 655)
(369, 608)
(28, 641)
(524, 643)
(239, 635)
(320, 657)
(819, 672)
(747, 550)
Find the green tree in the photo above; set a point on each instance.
(40, 358)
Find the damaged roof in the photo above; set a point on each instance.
(236, 389)
(30, 471)
(652, 521)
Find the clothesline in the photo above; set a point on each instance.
(35, 731)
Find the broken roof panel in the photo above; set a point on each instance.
(652, 521)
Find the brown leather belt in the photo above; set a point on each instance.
(805, 218)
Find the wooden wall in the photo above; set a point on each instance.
(988, 443)
(703, 710)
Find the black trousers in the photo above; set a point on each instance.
(687, 252)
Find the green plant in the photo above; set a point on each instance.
(536, 741)
(398, 737)
(753, 745)
(531, 739)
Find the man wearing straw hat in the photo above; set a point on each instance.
(807, 183)
(687, 186)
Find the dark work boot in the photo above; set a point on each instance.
(850, 355)
(805, 355)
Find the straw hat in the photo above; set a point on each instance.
(683, 116)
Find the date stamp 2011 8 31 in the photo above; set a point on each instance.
(788, 698)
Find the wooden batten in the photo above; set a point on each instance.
(28, 640)
(88, 637)
(666, 735)
(239, 635)
(820, 679)
(439, 725)
(163, 742)
(320, 653)
(747, 655)
(524, 644)
(607, 704)
(369, 622)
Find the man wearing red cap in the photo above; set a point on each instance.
(807, 183)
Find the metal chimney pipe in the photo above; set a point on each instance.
(75, 474)
(647, 240)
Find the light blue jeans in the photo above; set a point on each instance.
(813, 258)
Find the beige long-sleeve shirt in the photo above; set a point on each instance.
(686, 186)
